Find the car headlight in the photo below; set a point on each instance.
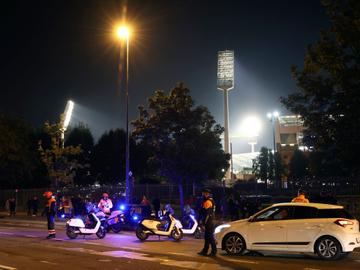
(221, 227)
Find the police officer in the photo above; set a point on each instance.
(301, 197)
(50, 213)
(207, 220)
(105, 204)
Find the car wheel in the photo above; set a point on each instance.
(140, 234)
(328, 248)
(234, 244)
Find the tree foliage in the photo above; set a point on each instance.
(184, 138)
(328, 95)
(58, 159)
(20, 164)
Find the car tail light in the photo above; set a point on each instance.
(344, 222)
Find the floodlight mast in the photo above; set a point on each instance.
(225, 82)
(66, 121)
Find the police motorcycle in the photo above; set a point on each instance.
(114, 221)
(190, 225)
(166, 225)
(92, 225)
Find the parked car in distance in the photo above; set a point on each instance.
(326, 230)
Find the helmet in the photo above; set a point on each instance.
(48, 194)
(206, 190)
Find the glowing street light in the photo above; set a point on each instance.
(123, 33)
(272, 117)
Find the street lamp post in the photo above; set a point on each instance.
(123, 33)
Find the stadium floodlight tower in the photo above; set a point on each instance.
(66, 120)
(225, 82)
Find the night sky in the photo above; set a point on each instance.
(52, 51)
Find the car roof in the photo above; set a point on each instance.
(316, 205)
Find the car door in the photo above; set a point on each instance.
(267, 230)
(303, 228)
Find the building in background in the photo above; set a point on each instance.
(288, 136)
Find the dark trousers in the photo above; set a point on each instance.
(51, 223)
(209, 239)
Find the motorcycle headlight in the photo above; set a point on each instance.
(218, 229)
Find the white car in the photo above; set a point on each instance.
(326, 230)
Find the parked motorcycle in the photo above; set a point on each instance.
(76, 226)
(114, 221)
(192, 227)
(165, 226)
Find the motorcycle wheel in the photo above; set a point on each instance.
(140, 234)
(176, 234)
(70, 232)
(101, 233)
(116, 228)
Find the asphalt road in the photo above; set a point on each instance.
(23, 246)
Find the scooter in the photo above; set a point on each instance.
(76, 226)
(161, 227)
(193, 228)
(114, 222)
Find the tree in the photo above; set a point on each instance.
(20, 164)
(328, 94)
(58, 160)
(184, 138)
(80, 135)
(278, 170)
(298, 166)
(261, 165)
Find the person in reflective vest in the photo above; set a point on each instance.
(207, 220)
(50, 213)
(105, 203)
(300, 198)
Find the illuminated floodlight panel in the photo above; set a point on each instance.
(225, 71)
(68, 112)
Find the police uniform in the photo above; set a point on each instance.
(207, 218)
(50, 213)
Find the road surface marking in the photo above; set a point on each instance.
(49, 262)
(6, 233)
(4, 267)
(194, 265)
(92, 243)
(239, 260)
(311, 269)
(104, 260)
(181, 254)
(145, 257)
(30, 235)
(132, 248)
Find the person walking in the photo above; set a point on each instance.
(50, 213)
(300, 198)
(12, 207)
(207, 220)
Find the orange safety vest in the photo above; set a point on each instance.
(300, 199)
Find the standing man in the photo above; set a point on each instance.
(301, 197)
(207, 219)
(50, 213)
